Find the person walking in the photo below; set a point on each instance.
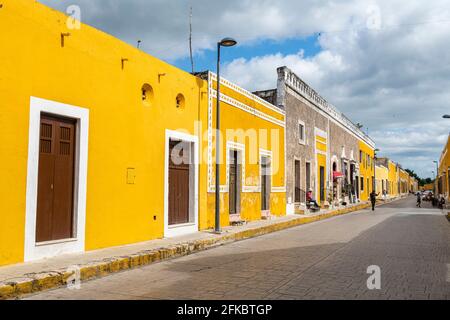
(373, 199)
(419, 200)
(441, 203)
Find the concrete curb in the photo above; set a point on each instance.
(33, 283)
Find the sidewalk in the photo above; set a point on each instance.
(51, 273)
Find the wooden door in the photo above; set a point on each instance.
(297, 188)
(54, 216)
(179, 173)
(233, 176)
(322, 184)
(308, 176)
(265, 183)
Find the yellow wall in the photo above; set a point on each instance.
(321, 150)
(444, 165)
(255, 133)
(404, 181)
(382, 177)
(366, 169)
(393, 179)
(429, 186)
(124, 133)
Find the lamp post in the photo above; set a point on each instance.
(226, 42)
(446, 116)
(375, 170)
(437, 174)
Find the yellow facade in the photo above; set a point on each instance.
(403, 181)
(393, 179)
(444, 171)
(382, 180)
(366, 170)
(428, 187)
(255, 129)
(321, 161)
(104, 76)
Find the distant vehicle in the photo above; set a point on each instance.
(427, 195)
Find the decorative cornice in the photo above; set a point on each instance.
(302, 88)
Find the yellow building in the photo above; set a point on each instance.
(391, 185)
(428, 187)
(403, 182)
(382, 181)
(366, 170)
(321, 149)
(394, 178)
(87, 123)
(444, 171)
(104, 145)
(252, 180)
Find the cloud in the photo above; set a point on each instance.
(394, 79)
(386, 64)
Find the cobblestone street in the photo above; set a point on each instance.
(323, 260)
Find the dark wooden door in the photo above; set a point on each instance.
(322, 184)
(54, 216)
(308, 176)
(297, 191)
(265, 183)
(233, 174)
(179, 172)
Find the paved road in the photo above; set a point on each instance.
(323, 260)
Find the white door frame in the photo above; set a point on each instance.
(191, 227)
(33, 250)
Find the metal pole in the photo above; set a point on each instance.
(437, 178)
(218, 228)
(374, 172)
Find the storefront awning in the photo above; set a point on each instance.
(337, 175)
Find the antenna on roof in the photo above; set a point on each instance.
(190, 40)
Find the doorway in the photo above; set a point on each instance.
(322, 184)
(308, 177)
(297, 182)
(179, 181)
(56, 191)
(234, 178)
(266, 175)
(55, 200)
(180, 184)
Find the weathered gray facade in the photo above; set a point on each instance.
(318, 137)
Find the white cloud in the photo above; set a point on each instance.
(384, 63)
(394, 79)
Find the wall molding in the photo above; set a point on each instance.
(233, 102)
(35, 251)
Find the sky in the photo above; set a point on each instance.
(385, 64)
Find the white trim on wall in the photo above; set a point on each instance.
(246, 93)
(231, 145)
(34, 251)
(212, 93)
(267, 154)
(192, 227)
(302, 141)
(321, 133)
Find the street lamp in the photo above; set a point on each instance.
(226, 42)
(446, 116)
(375, 170)
(436, 182)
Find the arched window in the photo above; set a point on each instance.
(180, 102)
(147, 95)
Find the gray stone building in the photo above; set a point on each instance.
(322, 145)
